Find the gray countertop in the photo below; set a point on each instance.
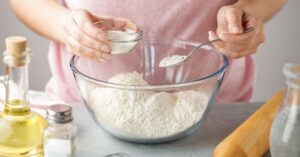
(221, 121)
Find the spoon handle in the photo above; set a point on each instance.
(203, 44)
(247, 30)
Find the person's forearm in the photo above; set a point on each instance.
(263, 9)
(43, 16)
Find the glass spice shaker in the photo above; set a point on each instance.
(60, 135)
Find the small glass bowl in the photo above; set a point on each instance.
(120, 41)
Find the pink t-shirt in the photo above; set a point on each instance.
(194, 18)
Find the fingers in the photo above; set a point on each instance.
(255, 23)
(235, 42)
(84, 22)
(235, 51)
(122, 23)
(131, 25)
(234, 20)
(108, 23)
(82, 38)
(75, 47)
(229, 19)
(239, 39)
(212, 36)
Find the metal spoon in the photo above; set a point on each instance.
(179, 59)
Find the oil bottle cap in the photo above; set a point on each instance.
(59, 114)
(16, 45)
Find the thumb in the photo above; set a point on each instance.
(118, 24)
(234, 18)
(230, 20)
(125, 23)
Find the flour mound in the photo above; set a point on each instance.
(143, 113)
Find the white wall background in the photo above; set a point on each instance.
(9, 25)
(282, 45)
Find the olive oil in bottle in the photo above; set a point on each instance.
(21, 130)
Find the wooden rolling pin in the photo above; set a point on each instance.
(251, 138)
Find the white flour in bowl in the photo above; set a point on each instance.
(143, 113)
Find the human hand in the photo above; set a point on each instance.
(83, 38)
(232, 21)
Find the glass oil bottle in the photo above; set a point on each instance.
(21, 130)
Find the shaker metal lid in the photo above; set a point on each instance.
(59, 113)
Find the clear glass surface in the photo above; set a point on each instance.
(61, 132)
(21, 129)
(285, 132)
(202, 73)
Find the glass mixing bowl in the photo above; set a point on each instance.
(172, 104)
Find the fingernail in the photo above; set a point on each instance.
(105, 48)
(235, 29)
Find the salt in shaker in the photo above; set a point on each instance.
(60, 135)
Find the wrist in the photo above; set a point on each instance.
(250, 8)
(63, 15)
(240, 5)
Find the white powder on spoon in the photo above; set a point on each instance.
(143, 113)
(171, 60)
